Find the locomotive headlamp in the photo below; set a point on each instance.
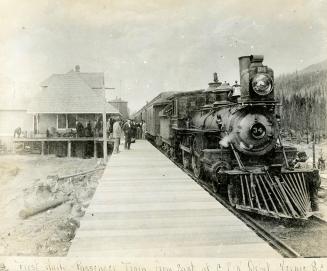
(262, 84)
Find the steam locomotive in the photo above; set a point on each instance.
(229, 136)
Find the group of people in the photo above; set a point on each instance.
(90, 130)
(132, 130)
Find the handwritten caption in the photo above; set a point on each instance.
(237, 265)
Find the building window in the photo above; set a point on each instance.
(71, 119)
(61, 121)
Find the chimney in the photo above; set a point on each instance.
(77, 68)
(215, 77)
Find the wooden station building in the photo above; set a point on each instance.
(64, 100)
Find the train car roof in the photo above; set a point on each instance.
(184, 93)
(159, 99)
(166, 96)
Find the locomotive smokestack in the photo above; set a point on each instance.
(244, 64)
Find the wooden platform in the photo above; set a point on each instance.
(145, 206)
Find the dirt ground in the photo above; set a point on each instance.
(28, 182)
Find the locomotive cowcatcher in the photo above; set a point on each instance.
(229, 136)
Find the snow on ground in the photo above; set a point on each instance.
(25, 185)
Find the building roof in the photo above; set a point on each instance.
(71, 93)
(12, 106)
(94, 80)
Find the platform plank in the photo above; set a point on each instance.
(145, 206)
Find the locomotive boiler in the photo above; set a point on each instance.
(229, 136)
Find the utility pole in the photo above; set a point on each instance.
(120, 88)
(314, 150)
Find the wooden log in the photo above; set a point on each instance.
(80, 173)
(25, 213)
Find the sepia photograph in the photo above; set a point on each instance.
(168, 129)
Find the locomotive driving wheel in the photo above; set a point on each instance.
(197, 166)
(186, 160)
(197, 147)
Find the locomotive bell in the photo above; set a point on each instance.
(236, 90)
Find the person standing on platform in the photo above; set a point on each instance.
(134, 131)
(88, 130)
(89, 144)
(116, 134)
(138, 130)
(128, 134)
(80, 131)
(98, 127)
(143, 129)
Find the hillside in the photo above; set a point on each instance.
(315, 67)
(303, 96)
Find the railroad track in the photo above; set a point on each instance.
(255, 224)
(274, 241)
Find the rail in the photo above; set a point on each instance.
(284, 249)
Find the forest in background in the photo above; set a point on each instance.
(303, 98)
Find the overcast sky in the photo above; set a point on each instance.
(146, 47)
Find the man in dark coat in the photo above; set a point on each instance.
(134, 130)
(98, 127)
(127, 128)
(80, 129)
(88, 130)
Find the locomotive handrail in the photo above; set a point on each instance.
(259, 103)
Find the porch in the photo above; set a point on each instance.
(84, 147)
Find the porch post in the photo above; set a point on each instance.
(37, 123)
(104, 131)
(42, 148)
(69, 149)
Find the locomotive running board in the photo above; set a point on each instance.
(285, 195)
